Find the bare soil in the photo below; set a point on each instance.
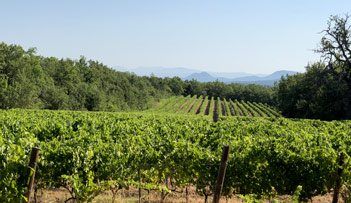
(231, 109)
(190, 107)
(181, 107)
(197, 110)
(224, 113)
(239, 109)
(207, 110)
(215, 113)
(131, 196)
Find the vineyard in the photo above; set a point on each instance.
(214, 107)
(90, 152)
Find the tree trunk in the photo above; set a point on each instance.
(187, 193)
(348, 102)
(206, 197)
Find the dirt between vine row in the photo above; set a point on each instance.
(131, 196)
(207, 108)
(239, 109)
(182, 106)
(197, 110)
(224, 113)
(215, 113)
(190, 107)
(231, 109)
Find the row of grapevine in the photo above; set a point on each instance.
(167, 104)
(235, 108)
(251, 111)
(221, 110)
(162, 105)
(195, 107)
(178, 106)
(203, 107)
(226, 106)
(187, 105)
(242, 108)
(91, 152)
(256, 109)
(268, 110)
(213, 106)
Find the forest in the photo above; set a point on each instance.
(28, 80)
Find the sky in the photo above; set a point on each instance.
(253, 36)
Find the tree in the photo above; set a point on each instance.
(335, 48)
(311, 95)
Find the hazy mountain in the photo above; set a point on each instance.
(258, 82)
(159, 71)
(227, 77)
(233, 74)
(278, 74)
(180, 72)
(274, 76)
(201, 77)
(266, 80)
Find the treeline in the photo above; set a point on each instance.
(31, 81)
(28, 80)
(324, 90)
(314, 94)
(233, 91)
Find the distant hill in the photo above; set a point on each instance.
(278, 74)
(180, 72)
(274, 76)
(201, 77)
(266, 80)
(159, 71)
(227, 77)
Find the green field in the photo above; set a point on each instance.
(213, 107)
(91, 152)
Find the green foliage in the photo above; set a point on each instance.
(179, 105)
(227, 110)
(235, 108)
(203, 106)
(254, 93)
(196, 104)
(87, 153)
(249, 109)
(268, 111)
(212, 107)
(171, 105)
(311, 95)
(242, 108)
(324, 90)
(161, 106)
(219, 107)
(187, 104)
(35, 82)
(256, 109)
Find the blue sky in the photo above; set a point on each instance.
(223, 36)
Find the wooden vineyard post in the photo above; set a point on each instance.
(32, 165)
(187, 193)
(221, 174)
(139, 175)
(338, 179)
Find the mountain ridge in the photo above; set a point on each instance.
(203, 76)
